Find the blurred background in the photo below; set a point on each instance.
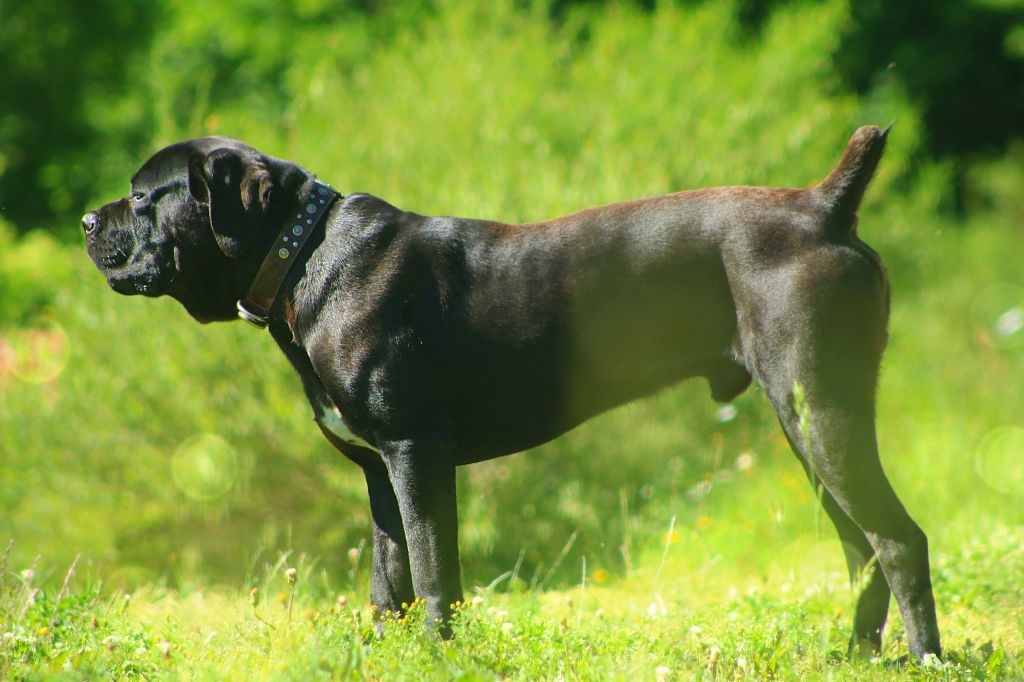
(165, 451)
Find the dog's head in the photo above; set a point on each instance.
(189, 224)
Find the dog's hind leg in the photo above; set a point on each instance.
(841, 451)
(873, 601)
(819, 365)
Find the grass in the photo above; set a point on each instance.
(692, 619)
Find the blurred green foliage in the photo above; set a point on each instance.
(66, 96)
(88, 87)
(165, 450)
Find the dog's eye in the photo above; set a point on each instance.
(136, 197)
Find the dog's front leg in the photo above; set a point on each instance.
(422, 475)
(391, 580)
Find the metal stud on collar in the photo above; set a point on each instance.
(278, 262)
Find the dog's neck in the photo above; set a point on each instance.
(292, 236)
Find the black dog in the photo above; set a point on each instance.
(425, 343)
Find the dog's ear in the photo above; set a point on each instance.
(236, 189)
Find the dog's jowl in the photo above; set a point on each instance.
(424, 342)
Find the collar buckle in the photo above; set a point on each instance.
(258, 321)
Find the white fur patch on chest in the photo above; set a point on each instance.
(330, 417)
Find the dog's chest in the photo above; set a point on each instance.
(329, 416)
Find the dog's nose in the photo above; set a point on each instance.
(90, 221)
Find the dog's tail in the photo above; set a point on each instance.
(843, 189)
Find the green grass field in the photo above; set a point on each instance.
(154, 471)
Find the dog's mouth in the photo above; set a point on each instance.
(145, 272)
(154, 278)
(129, 286)
(112, 260)
(113, 252)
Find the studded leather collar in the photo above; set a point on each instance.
(255, 307)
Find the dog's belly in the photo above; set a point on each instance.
(511, 406)
(512, 393)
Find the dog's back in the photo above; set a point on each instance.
(578, 314)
